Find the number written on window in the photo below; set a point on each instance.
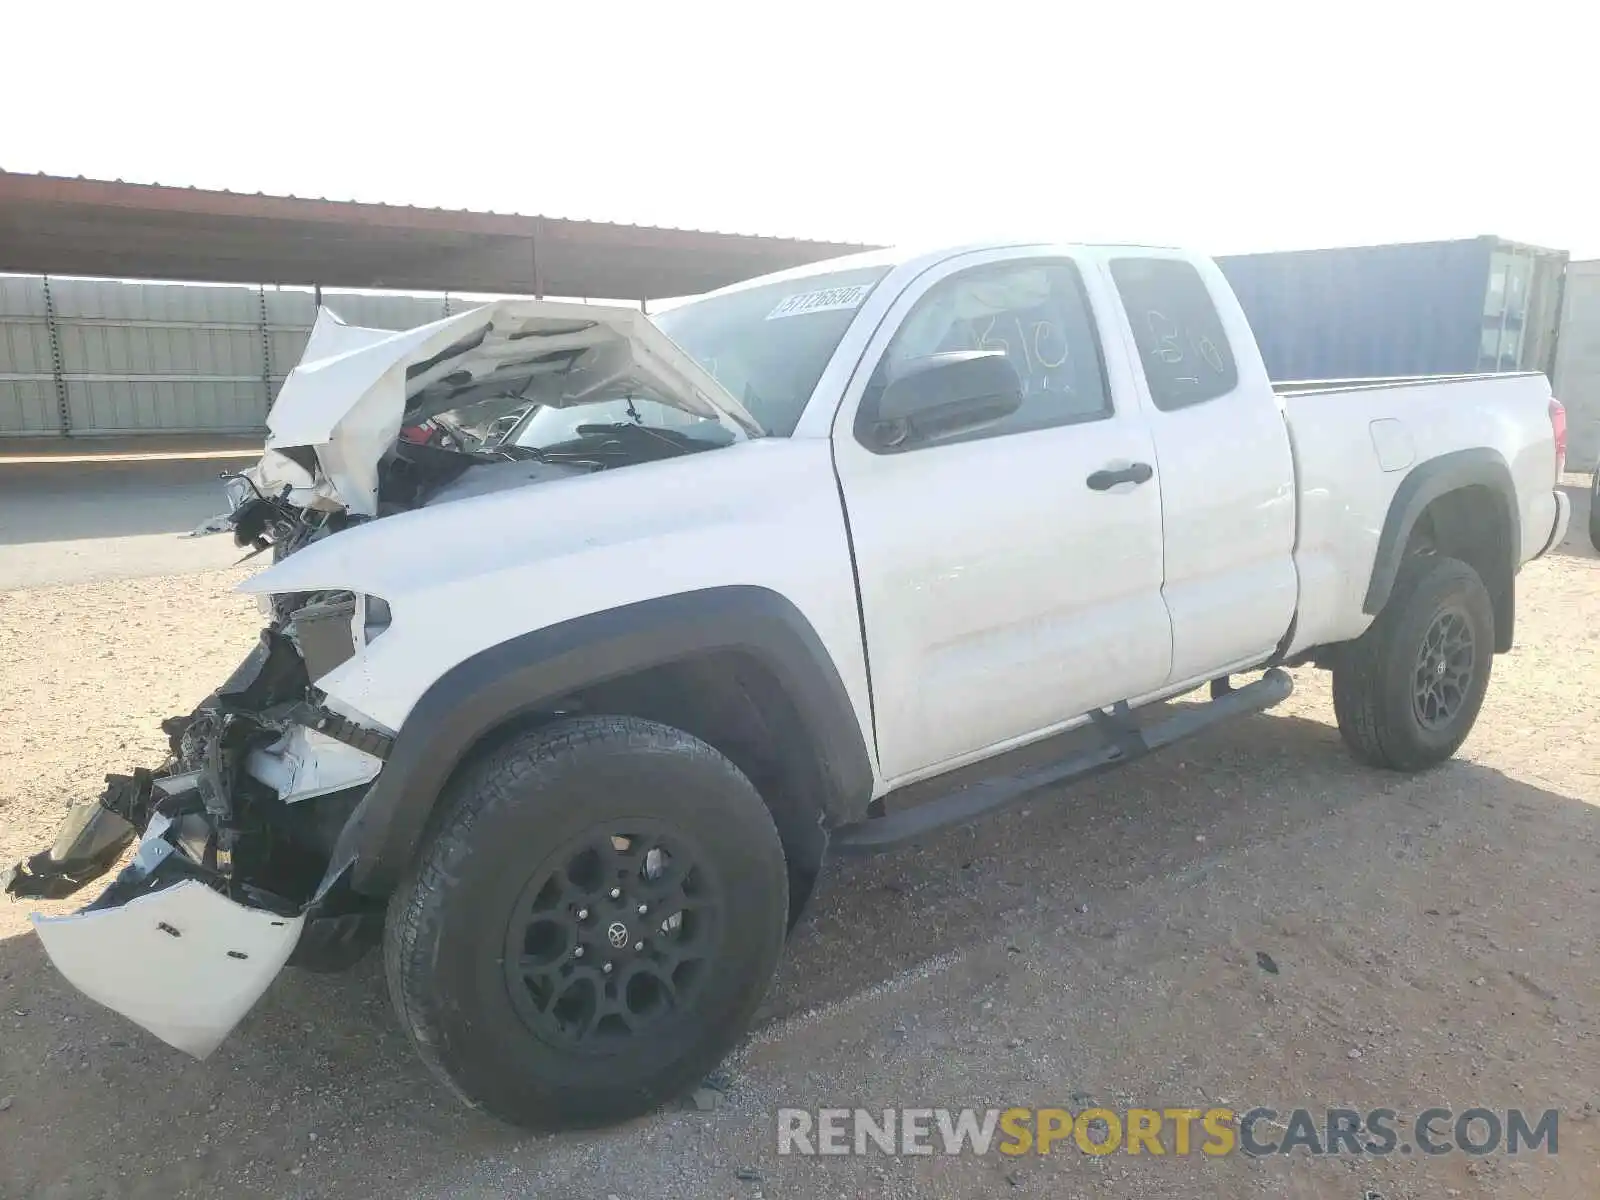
(1036, 314)
(1182, 345)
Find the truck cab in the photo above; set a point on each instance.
(1086, 549)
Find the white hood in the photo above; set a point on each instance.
(355, 388)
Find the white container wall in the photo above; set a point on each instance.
(99, 356)
(1577, 375)
(28, 400)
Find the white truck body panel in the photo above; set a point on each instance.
(973, 594)
(1342, 437)
(1227, 499)
(977, 634)
(763, 512)
(979, 640)
(185, 963)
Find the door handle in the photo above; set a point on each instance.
(1107, 478)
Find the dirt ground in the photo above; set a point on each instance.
(1434, 939)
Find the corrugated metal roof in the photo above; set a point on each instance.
(51, 225)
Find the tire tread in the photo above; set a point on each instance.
(1363, 703)
(499, 778)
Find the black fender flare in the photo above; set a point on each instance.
(531, 672)
(1425, 483)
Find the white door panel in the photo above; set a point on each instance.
(1228, 485)
(1223, 456)
(1001, 594)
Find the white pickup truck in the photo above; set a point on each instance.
(572, 725)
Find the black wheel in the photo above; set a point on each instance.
(592, 924)
(1407, 691)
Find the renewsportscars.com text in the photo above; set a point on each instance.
(1213, 1132)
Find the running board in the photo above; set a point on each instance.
(1123, 742)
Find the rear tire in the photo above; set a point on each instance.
(531, 989)
(1407, 692)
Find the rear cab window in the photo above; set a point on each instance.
(1182, 345)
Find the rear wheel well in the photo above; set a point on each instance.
(734, 703)
(1471, 524)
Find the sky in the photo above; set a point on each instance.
(1226, 126)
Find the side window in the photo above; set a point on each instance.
(1037, 314)
(1182, 345)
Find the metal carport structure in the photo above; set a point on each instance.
(96, 356)
(57, 226)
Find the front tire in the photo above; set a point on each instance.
(592, 924)
(1407, 692)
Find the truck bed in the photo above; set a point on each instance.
(1355, 441)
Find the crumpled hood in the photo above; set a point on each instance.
(341, 410)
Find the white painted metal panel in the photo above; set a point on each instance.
(164, 357)
(1577, 382)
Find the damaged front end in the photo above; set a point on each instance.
(240, 867)
(232, 878)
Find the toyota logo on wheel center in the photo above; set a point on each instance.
(617, 935)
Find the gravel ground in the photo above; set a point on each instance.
(1434, 939)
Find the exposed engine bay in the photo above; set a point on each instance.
(418, 475)
(240, 826)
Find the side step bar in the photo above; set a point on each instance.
(1123, 742)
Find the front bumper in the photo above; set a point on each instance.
(185, 963)
(169, 944)
(233, 865)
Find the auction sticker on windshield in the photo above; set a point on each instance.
(827, 300)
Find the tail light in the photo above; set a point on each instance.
(1558, 426)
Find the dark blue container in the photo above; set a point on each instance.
(1421, 308)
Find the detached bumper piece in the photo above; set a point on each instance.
(184, 962)
(171, 944)
(93, 836)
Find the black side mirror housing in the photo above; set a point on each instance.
(942, 396)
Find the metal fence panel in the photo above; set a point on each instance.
(133, 357)
(1577, 378)
(384, 312)
(21, 296)
(135, 404)
(24, 347)
(28, 404)
(27, 407)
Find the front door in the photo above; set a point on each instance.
(1003, 591)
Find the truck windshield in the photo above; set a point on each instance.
(768, 345)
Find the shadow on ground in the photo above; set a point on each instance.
(1577, 543)
(68, 501)
(320, 1074)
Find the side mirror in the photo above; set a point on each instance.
(942, 396)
